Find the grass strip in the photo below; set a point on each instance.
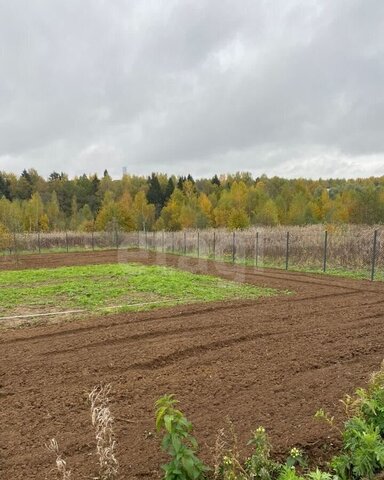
(95, 286)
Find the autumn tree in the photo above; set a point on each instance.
(143, 212)
(34, 217)
(55, 216)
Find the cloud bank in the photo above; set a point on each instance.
(292, 88)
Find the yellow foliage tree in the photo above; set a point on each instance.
(237, 219)
(5, 238)
(143, 212)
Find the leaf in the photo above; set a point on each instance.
(159, 417)
(176, 443)
(189, 467)
(379, 451)
(168, 419)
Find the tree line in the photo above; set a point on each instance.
(31, 203)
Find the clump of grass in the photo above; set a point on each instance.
(102, 420)
(61, 464)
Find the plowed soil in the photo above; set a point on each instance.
(270, 362)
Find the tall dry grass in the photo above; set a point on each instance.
(61, 464)
(102, 421)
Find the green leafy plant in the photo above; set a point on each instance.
(362, 454)
(295, 457)
(318, 475)
(259, 465)
(289, 473)
(363, 451)
(178, 442)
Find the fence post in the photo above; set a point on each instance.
(93, 240)
(173, 242)
(15, 242)
(146, 239)
(325, 251)
(66, 241)
(374, 255)
(38, 241)
(214, 245)
(198, 243)
(257, 249)
(185, 242)
(287, 252)
(116, 234)
(162, 242)
(154, 241)
(233, 247)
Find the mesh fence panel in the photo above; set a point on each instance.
(340, 248)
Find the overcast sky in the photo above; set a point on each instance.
(282, 87)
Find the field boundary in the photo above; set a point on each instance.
(347, 251)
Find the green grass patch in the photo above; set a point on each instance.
(95, 287)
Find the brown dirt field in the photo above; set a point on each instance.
(273, 362)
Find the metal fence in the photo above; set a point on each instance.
(356, 249)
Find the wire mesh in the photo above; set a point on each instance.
(344, 248)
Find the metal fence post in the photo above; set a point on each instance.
(257, 249)
(146, 239)
(38, 241)
(185, 243)
(198, 243)
(214, 245)
(325, 251)
(287, 252)
(116, 234)
(15, 241)
(93, 240)
(66, 241)
(162, 242)
(173, 242)
(374, 255)
(233, 247)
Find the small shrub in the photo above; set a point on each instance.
(362, 454)
(177, 442)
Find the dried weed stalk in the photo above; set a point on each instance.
(219, 452)
(226, 457)
(102, 421)
(61, 464)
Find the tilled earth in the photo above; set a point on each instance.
(270, 362)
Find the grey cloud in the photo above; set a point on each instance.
(204, 86)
